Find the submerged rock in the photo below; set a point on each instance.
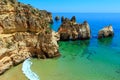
(57, 18)
(24, 33)
(70, 30)
(106, 32)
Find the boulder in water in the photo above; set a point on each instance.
(106, 32)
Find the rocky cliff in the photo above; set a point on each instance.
(24, 33)
(70, 30)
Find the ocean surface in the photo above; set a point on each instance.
(82, 60)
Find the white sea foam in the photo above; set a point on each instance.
(28, 72)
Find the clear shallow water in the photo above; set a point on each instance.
(85, 60)
(80, 63)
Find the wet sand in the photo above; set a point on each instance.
(15, 73)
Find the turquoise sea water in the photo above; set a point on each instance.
(85, 60)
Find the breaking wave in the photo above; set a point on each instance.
(28, 72)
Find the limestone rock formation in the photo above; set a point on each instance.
(73, 19)
(24, 33)
(106, 32)
(57, 18)
(70, 30)
(20, 17)
(63, 20)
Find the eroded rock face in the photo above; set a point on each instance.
(20, 17)
(70, 30)
(24, 33)
(106, 32)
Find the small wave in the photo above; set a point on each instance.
(28, 72)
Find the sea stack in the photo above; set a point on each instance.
(70, 30)
(106, 32)
(24, 33)
(57, 18)
(62, 18)
(73, 19)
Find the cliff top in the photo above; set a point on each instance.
(18, 17)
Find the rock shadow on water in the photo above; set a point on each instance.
(105, 41)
